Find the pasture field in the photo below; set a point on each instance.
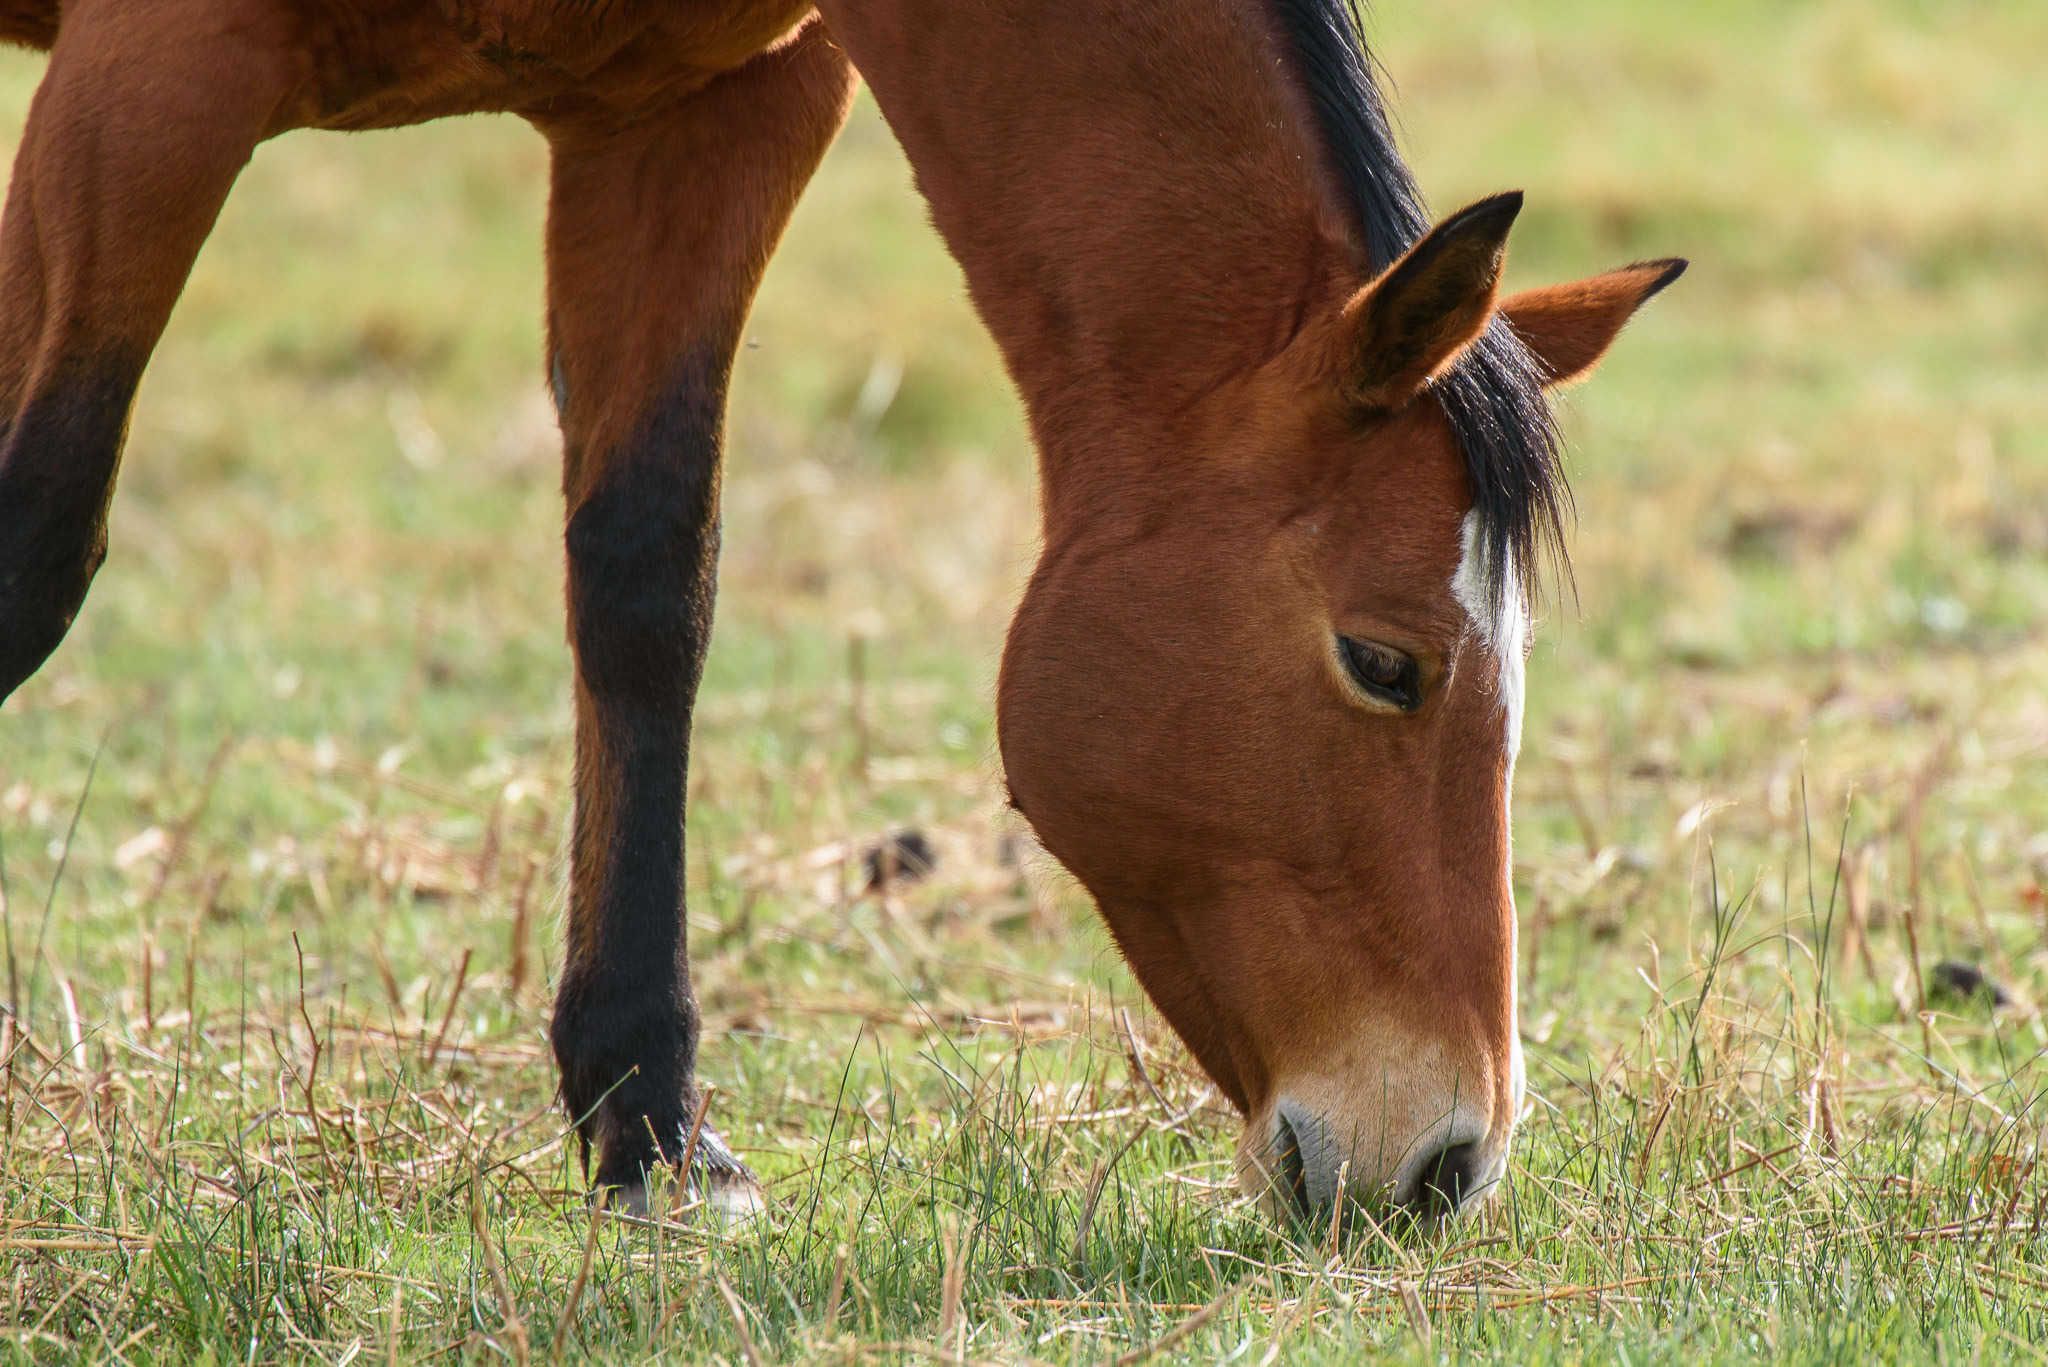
(281, 824)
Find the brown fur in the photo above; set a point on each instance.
(28, 23)
(1412, 323)
(1570, 326)
(1315, 891)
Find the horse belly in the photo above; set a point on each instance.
(721, 34)
(387, 63)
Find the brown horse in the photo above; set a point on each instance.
(1263, 694)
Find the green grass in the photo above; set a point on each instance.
(284, 1092)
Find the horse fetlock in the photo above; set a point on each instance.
(627, 1060)
(718, 1185)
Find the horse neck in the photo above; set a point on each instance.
(1133, 188)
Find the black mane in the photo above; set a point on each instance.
(1494, 396)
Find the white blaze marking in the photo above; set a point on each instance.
(1507, 632)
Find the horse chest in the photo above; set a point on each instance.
(386, 63)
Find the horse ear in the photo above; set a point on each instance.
(1569, 327)
(1409, 326)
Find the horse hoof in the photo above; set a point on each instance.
(722, 1189)
(629, 1200)
(725, 1187)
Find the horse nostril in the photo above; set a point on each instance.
(1448, 1181)
(1290, 1168)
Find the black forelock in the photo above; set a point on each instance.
(1494, 395)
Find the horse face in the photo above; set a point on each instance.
(1278, 753)
(1269, 719)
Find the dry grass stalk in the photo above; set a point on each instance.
(739, 1321)
(522, 929)
(840, 1259)
(312, 1072)
(181, 837)
(1173, 1337)
(687, 1171)
(448, 1016)
(515, 1326)
(73, 1025)
(569, 1308)
(394, 1342)
(1418, 1315)
(1092, 1196)
(1909, 916)
(1336, 1230)
(1856, 905)
(952, 1281)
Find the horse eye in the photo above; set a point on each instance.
(1384, 673)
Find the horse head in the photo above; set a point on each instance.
(1263, 697)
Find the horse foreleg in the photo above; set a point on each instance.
(659, 228)
(145, 116)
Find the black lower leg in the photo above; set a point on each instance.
(642, 549)
(58, 454)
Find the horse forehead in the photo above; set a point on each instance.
(1394, 519)
(1408, 462)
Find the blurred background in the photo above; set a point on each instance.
(1802, 646)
